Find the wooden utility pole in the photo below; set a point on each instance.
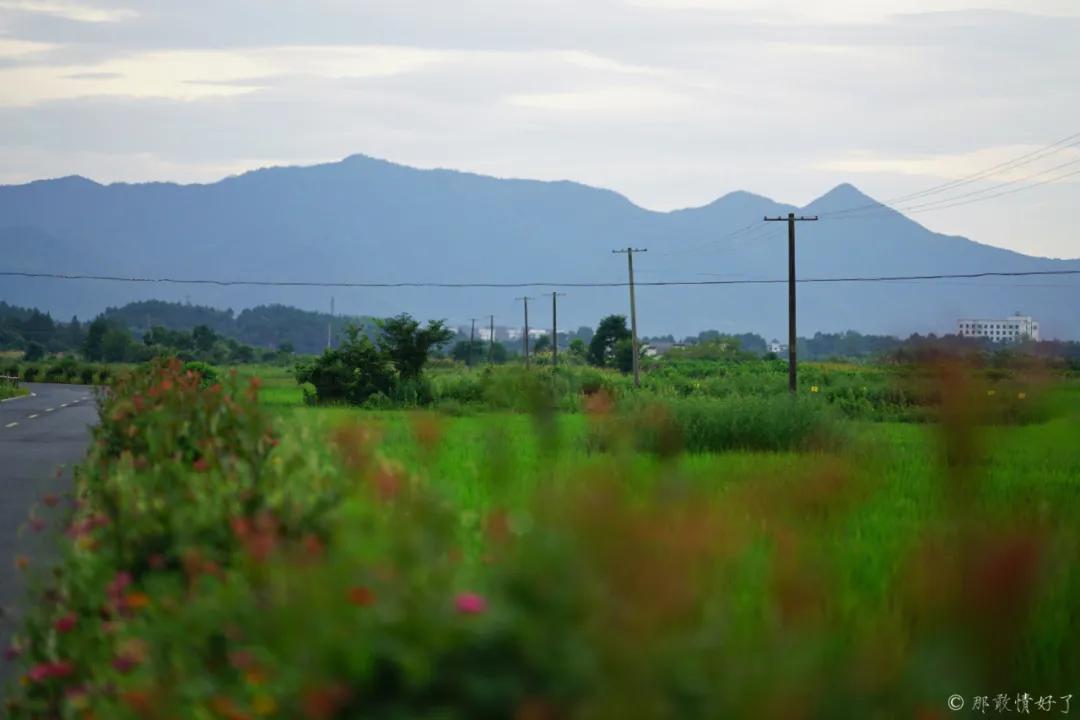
(330, 325)
(555, 328)
(633, 307)
(525, 335)
(491, 342)
(472, 341)
(792, 339)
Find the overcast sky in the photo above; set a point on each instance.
(670, 102)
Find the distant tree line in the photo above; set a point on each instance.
(263, 326)
(267, 333)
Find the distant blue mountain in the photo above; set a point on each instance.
(364, 219)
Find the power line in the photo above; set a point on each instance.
(866, 209)
(1025, 159)
(979, 195)
(467, 285)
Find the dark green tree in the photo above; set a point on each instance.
(611, 330)
(543, 344)
(203, 338)
(461, 353)
(115, 345)
(93, 348)
(408, 345)
(34, 351)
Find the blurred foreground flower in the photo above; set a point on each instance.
(468, 603)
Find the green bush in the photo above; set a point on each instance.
(207, 372)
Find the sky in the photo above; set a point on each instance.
(672, 103)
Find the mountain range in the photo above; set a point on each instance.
(369, 220)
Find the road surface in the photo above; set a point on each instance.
(39, 434)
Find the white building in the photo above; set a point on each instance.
(534, 333)
(777, 348)
(1013, 329)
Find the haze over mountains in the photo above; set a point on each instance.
(368, 220)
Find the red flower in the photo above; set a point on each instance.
(468, 603)
(37, 524)
(124, 663)
(201, 465)
(362, 596)
(65, 623)
(12, 653)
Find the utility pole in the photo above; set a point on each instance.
(792, 339)
(472, 341)
(555, 328)
(633, 307)
(491, 342)
(330, 324)
(525, 335)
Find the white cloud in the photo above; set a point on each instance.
(14, 48)
(609, 101)
(70, 11)
(1039, 165)
(853, 11)
(194, 74)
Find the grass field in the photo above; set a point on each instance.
(483, 563)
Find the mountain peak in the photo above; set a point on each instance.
(842, 197)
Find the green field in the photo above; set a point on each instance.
(560, 553)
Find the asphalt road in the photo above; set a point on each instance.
(39, 435)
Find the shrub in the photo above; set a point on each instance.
(30, 373)
(207, 372)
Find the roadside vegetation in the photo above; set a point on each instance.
(223, 557)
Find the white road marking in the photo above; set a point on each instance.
(31, 417)
(11, 425)
(63, 404)
(49, 409)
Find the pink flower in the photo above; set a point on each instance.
(39, 672)
(45, 671)
(468, 603)
(12, 653)
(65, 623)
(37, 524)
